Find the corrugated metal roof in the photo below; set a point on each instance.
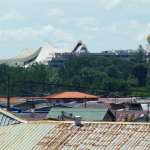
(38, 135)
(23, 136)
(5, 120)
(96, 136)
(8, 118)
(129, 117)
(88, 114)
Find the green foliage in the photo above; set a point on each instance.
(140, 71)
(90, 74)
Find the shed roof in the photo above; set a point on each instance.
(65, 135)
(88, 114)
(74, 95)
(8, 118)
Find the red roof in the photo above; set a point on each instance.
(71, 95)
(18, 98)
(12, 98)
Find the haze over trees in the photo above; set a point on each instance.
(106, 77)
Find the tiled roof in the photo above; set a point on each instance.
(12, 98)
(71, 95)
(62, 136)
(20, 98)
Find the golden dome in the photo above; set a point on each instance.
(148, 38)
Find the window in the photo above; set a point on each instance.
(49, 101)
(57, 100)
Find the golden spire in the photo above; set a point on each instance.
(148, 38)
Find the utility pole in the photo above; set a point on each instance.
(8, 94)
(115, 116)
(62, 116)
(147, 111)
(85, 102)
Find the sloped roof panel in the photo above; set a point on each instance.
(5, 120)
(49, 50)
(71, 95)
(96, 136)
(88, 114)
(8, 118)
(23, 136)
(25, 55)
(61, 135)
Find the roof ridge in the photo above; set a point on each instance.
(13, 116)
(83, 122)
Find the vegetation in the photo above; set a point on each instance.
(106, 77)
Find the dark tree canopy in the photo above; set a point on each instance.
(90, 74)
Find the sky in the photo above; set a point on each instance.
(100, 24)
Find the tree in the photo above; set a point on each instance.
(140, 71)
(140, 55)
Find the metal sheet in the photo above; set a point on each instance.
(97, 136)
(6, 120)
(64, 136)
(22, 136)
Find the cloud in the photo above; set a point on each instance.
(128, 5)
(83, 22)
(11, 15)
(126, 31)
(109, 4)
(55, 12)
(43, 34)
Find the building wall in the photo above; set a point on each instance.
(60, 59)
(109, 117)
(57, 101)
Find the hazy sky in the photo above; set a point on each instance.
(100, 24)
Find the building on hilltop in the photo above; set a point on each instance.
(25, 57)
(47, 55)
(55, 57)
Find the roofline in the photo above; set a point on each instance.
(7, 113)
(72, 98)
(125, 123)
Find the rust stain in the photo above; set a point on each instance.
(97, 136)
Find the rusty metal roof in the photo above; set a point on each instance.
(53, 135)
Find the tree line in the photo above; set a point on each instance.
(103, 76)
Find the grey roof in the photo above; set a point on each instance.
(8, 118)
(5, 120)
(47, 52)
(25, 55)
